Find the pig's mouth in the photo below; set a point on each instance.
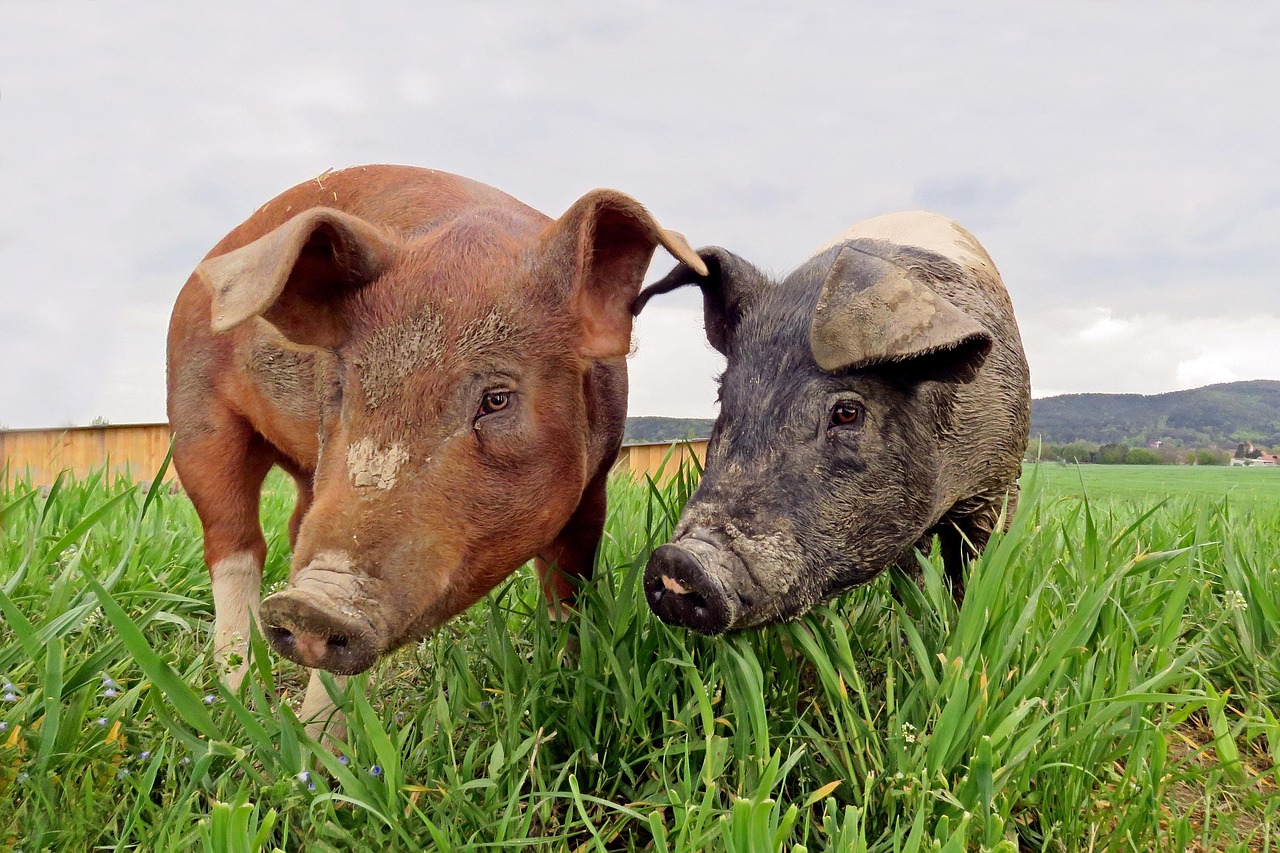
(684, 583)
(321, 622)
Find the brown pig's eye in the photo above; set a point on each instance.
(846, 413)
(494, 401)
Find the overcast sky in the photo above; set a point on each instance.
(1121, 162)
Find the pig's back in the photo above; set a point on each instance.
(982, 445)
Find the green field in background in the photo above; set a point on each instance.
(1151, 483)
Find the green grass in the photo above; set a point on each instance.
(1243, 487)
(1112, 683)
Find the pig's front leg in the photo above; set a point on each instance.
(237, 584)
(325, 723)
(572, 554)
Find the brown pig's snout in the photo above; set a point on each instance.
(684, 587)
(306, 629)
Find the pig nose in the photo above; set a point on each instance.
(305, 631)
(681, 593)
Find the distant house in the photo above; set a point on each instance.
(1248, 455)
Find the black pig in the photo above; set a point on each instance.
(877, 397)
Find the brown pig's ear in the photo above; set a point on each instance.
(728, 286)
(607, 239)
(297, 276)
(873, 312)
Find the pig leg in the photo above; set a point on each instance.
(321, 715)
(306, 493)
(572, 554)
(222, 464)
(965, 537)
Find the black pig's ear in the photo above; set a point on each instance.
(874, 312)
(727, 289)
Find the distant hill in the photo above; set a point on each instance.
(1222, 415)
(667, 429)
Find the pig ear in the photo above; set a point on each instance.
(296, 276)
(873, 312)
(727, 286)
(607, 239)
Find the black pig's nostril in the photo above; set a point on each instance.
(680, 592)
(338, 642)
(696, 600)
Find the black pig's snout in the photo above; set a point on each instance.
(681, 592)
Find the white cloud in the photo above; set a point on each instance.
(1206, 369)
(1156, 352)
(1105, 328)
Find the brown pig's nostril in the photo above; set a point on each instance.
(279, 636)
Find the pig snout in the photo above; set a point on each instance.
(316, 623)
(685, 583)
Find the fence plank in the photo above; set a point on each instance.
(136, 451)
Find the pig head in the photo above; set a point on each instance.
(876, 397)
(439, 366)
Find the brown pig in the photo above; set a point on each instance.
(439, 368)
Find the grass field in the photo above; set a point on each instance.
(1111, 683)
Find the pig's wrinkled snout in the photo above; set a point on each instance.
(308, 631)
(681, 592)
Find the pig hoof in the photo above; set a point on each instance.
(681, 593)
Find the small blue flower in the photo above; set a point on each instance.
(24, 776)
(108, 681)
(304, 776)
(311, 786)
(375, 771)
(4, 727)
(210, 698)
(122, 772)
(343, 760)
(144, 755)
(110, 693)
(8, 686)
(11, 696)
(186, 759)
(484, 703)
(102, 722)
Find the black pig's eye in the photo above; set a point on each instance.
(494, 401)
(846, 413)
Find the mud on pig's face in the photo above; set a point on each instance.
(821, 466)
(453, 426)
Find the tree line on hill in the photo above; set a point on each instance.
(1201, 426)
(1213, 417)
(647, 429)
(1090, 453)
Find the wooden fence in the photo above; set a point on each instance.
(136, 451)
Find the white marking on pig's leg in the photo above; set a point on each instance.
(321, 714)
(237, 586)
(371, 464)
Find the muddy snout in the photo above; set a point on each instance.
(685, 585)
(307, 626)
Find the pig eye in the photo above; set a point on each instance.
(846, 413)
(494, 401)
